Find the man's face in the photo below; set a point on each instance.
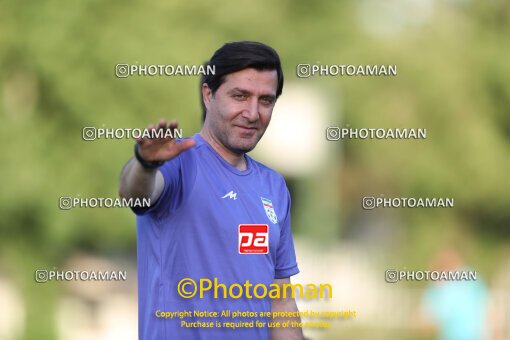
(240, 110)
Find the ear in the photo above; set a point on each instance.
(206, 95)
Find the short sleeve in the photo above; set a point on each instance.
(179, 175)
(286, 264)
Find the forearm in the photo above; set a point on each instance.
(138, 182)
(146, 181)
(292, 331)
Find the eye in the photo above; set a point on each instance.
(267, 100)
(239, 96)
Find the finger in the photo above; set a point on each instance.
(184, 145)
(173, 124)
(142, 140)
(161, 124)
(161, 130)
(150, 127)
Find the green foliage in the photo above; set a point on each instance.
(57, 64)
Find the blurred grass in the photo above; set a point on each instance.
(57, 76)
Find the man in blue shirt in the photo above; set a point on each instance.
(219, 221)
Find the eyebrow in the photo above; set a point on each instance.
(246, 92)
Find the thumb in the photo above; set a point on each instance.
(184, 145)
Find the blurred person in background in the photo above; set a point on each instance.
(455, 310)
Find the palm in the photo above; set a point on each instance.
(162, 149)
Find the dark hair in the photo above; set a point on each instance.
(236, 56)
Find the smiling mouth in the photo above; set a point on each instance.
(244, 128)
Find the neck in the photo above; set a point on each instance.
(236, 160)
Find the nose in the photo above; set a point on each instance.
(251, 111)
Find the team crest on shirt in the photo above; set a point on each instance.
(268, 207)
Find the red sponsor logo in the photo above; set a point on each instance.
(253, 239)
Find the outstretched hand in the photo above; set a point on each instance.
(163, 149)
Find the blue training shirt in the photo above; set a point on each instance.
(196, 230)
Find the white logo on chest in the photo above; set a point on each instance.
(232, 195)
